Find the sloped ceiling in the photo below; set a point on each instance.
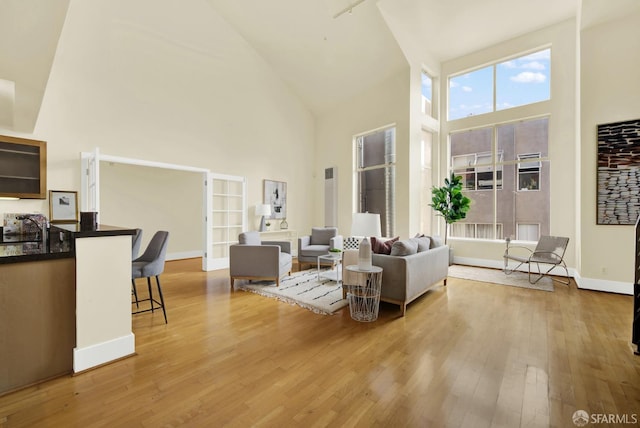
(325, 58)
(29, 33)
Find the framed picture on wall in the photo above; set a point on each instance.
(63, 206)
(275, 194)
(618, 172)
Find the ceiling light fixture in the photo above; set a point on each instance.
(348, 9)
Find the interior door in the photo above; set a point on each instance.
(225, 217)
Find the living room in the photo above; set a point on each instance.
(179, 84)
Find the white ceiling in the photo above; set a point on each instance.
(325, 59)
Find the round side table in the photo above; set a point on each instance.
(364, 295)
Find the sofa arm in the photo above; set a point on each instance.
(254, 260)
(425, 270)
(336, 242)
(304, 241)
(285, 246)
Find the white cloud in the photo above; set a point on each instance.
(534, 65)
(529, 77)
(509, 64)
(467, 89)
(453, 84)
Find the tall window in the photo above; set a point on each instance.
(375, 169)
(516, 82)
(506, 174)
(427, 94)
(427, 179)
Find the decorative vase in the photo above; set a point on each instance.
(284, 224)
(364, 254)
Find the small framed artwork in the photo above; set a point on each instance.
(275, 194)
(63, 206)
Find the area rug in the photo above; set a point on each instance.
(497, 276)
(302, 289)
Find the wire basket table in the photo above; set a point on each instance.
(364, 295)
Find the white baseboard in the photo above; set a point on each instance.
(101, 353)
(583, 283)
(604, 285)
(184, 255)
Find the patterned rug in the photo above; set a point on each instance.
(497, 276)
(302, 289)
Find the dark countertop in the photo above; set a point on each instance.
(27, 248)
(101, 230)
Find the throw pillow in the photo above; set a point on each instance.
(423, 242)
(436, 242)
(351, 243)
(405, 247)
(379, 246)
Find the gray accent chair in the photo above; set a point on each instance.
(151, 263)
(318, 243)
(549, 251)
(253, 259)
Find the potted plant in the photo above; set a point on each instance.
(449, 202)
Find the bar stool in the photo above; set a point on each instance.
(151, 263)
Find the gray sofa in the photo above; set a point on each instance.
(404, 277)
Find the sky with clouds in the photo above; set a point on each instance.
(519, 81)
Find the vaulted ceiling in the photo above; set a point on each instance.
(326, 50)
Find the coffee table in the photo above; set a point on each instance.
(335, 261)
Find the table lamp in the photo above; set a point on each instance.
(263, 210)
(366, 225)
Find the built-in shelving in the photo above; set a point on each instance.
(227, 217)
(23, 168)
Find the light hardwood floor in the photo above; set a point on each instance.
(466, 355)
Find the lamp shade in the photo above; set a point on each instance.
(263, 209)
(365, 224)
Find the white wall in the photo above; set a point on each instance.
(610, 60)
(382, 105)
(152, 199)
(171, 82)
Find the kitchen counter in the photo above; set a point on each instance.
(27, 248)
(60, 243)
(65, 303)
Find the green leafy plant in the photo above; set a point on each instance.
(449, 201)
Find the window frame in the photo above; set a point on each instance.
(494, 65)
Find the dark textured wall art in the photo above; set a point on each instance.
(619, 172)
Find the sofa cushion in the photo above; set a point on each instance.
(314, 250)
(404, 247)
(322, 235)
(436, 242)
(379, 246)
(250, 238)
(424, 243)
